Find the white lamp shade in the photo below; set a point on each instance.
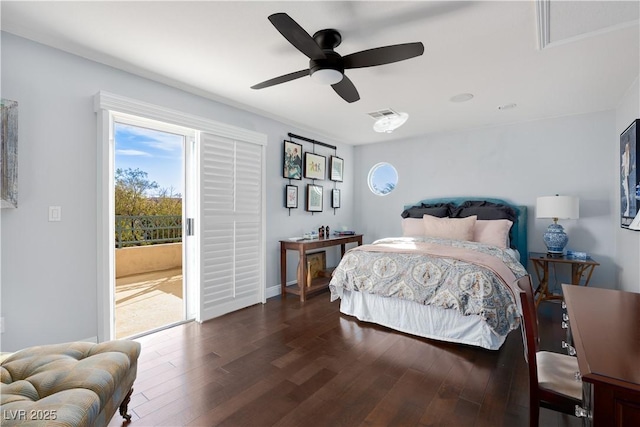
(561, 207)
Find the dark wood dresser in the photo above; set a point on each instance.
(605, 328)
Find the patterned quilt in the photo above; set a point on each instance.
(470, 277)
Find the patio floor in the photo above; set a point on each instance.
(148, 301)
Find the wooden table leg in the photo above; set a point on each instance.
(302, 275)
(542, 272)
(577, 271)
(283, 271)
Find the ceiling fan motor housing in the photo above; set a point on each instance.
(328, 39)
(331, 61)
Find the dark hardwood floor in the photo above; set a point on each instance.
(288, 363)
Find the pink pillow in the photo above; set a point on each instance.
(412, 227)
(449, 228)
(492, 232)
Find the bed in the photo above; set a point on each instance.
(449, 276)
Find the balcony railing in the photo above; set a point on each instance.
(139, 230)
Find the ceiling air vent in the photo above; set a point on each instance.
(387, 120)
(382, 113)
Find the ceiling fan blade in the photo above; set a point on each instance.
(296, 35)
(383, 55)
(282, 79)
(346, 90)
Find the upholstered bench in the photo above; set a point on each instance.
(72, 384)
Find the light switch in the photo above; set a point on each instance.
(55, 213)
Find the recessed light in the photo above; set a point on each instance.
(463, 97)
(507, 106)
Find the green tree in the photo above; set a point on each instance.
(135, 194)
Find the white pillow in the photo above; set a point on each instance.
(492, 232)
(412, 227)
(449, 228)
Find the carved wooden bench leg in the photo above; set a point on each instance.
(124, 406)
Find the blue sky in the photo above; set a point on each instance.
(157, 153)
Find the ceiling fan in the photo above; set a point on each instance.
(327, 66)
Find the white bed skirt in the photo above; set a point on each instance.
(422, 320)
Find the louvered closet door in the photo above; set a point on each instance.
(231, 262)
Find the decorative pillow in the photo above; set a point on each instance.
(484, 210)
(449, 228)
(412, 227)
(492, 232)
(439, 210)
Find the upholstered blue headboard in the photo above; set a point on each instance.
(518, 230)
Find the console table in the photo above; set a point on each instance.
(541, 261)
(302, 246)
(604, 329)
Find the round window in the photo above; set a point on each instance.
(383, 178)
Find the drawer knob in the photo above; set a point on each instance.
(565, 325)
(565, 317)
(582, 412)
(578, 376)
(570, 349)
(564, 305)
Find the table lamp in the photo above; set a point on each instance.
(557, 207)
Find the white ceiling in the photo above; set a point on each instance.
(490, 49)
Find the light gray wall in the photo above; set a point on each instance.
(48, 275)
(568, 156)
(627, 241)
(48, 270)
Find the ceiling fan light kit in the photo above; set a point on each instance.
(327, 66)
(326, 76)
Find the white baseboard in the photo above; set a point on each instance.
(274, 291)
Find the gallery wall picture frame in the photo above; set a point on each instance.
(292, 160)
(8, 153)
(337, 168)
(291, 196)
(629, 174)
(314, 198)
(315, 166)
(335, 198)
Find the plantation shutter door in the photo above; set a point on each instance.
(232, 235)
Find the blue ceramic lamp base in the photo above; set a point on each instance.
(556, 239)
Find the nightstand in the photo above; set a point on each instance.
(579, 268)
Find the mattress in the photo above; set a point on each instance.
(435, 288)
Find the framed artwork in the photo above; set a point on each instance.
(291, 196)
(314, 166)
(335, 198)
(9, 153)
(314, 198)
(292, 160)
(337, 168)
(629, 174)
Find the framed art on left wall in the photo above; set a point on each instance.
(9, 153)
